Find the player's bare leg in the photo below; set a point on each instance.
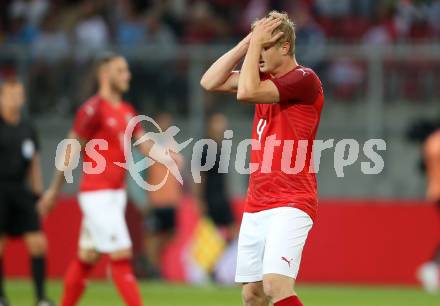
(152, 246)
(36, 243)
(90, 257)
(3, 300)
(121, 254)
(123, 277)
(253, 295)
(231, 232)
(278, 287)
(155, 243)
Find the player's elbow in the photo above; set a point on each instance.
(244, 95)
(206, 85)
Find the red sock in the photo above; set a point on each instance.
(125, 281)
(75, 282)
(290, 301)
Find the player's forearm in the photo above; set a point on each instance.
(37, 186)
(144, 144)
(35, 176)
(249, 78)
(220, 71)
(57, 181)
(64, 162)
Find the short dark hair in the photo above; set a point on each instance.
(105, 58)
(13, 80)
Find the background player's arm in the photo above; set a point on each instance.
(145, 147)
(250, 87)
(35, 175)
(198, 188)
(48, 199)
(67, 157)
(221, 75)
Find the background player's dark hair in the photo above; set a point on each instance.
(12, 80)
(104, 58)
(99, 61)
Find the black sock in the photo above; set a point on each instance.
(2, 290)
(38, 264)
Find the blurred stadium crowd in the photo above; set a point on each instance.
(96, 24)
(60, 36)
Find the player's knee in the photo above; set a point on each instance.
(275, 288)
(253, 296)
(121, 254)
(36, 244)
(88, 256)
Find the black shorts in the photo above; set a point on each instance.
(18, 213)
(219, 210)
(161, 219)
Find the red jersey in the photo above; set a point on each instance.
(99, 119)
(293, 120)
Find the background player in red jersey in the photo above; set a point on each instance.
(280, 205)
(102, 196)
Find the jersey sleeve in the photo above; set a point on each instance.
(299, 86)
(86, 121)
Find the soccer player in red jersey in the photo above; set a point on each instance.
(102, 197)
(282, 201)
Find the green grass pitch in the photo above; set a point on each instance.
(161, 294)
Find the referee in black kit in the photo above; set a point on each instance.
(20, 185)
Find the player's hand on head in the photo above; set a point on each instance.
(247, 39)
(263, 32)
(46, 202)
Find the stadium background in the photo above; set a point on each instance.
(380, 66)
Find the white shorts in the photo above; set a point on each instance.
(103, 227)
(271, 241)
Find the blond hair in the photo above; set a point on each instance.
(287, 27)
